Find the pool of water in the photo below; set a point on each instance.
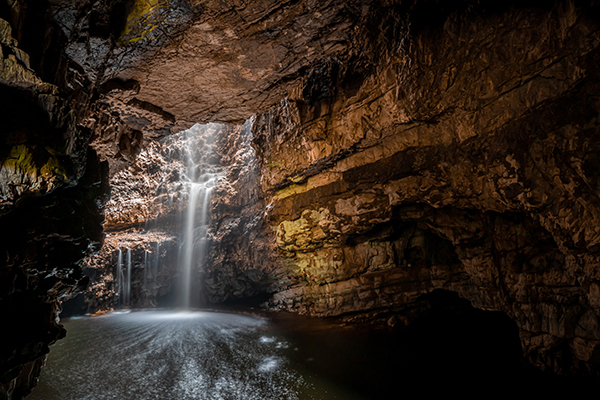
(202, 355)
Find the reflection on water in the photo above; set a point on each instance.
(281, 356)
(184, 355)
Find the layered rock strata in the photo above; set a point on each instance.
(460, 157)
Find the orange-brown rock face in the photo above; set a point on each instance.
(460, 157)
(176, 63)
(233, 59)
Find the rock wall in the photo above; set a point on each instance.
(52, 190)
(242, 264)
(454, 151)
(152, 262)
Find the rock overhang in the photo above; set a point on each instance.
(176, 63)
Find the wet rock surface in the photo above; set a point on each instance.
(150, 257)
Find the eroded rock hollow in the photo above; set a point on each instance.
(364, 153)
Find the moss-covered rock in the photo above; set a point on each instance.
(14, 64)
(144, 18)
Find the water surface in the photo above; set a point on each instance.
(194, 355)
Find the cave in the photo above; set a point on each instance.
(361, 195)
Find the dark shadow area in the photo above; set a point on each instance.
(461, 347)
(248, 302)
(448, 347)
(73, 307)
(23, 121)
(168, 300)
(453, 339)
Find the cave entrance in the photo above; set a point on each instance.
(447, 337)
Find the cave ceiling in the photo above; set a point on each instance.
(170, 64)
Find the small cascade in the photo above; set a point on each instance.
(156, 262)
(123, 280)
(146, 271)
(151, 261)
(127, 291)
(119, 275)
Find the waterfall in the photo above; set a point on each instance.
(193, 250)
(200, 177)
(188, 245)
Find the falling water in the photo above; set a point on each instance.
(119, 274)
(146, 270)
(127, 291)
(191, 249)
(151, 269)
(156, 262)
(200, 177)
(188, 245)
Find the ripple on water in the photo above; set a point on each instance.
(269, 364)
(175, 355)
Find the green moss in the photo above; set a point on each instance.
(21, 158)
(53, 168)
(144, 18)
